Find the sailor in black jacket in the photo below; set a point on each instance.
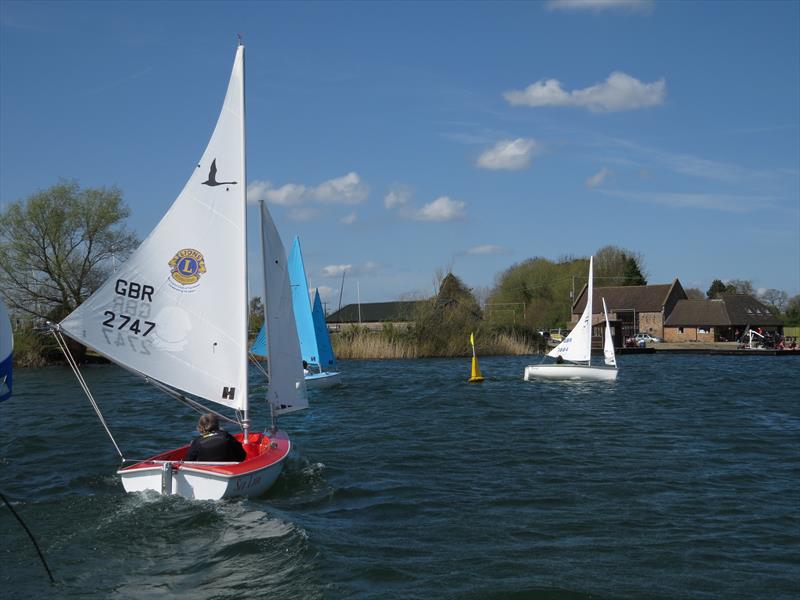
(214, 444)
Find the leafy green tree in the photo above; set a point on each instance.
(59, 245)
(717, 288)
(792, 315)
(442, 324)
(256, 316)
(740, 286)
(537, 292)
(632, 273)
(617, 266)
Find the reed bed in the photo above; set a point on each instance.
(367, 345)
(375, 345)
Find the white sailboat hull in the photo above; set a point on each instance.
(169, 475)
(323, 380)
(569, 371)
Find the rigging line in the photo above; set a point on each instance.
(74, 366)
(30, 535)
(258, 366)
(189, 402)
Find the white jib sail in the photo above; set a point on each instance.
(176, 310)
(577, 346)
(608, 343)
(287, 386)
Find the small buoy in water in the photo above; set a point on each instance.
(476, 371)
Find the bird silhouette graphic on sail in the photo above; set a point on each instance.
(212, 176)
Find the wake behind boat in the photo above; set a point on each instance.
(574, 354)
(176, 313)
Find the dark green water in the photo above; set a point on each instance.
(680, 480)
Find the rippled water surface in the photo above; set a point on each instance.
(680, 480)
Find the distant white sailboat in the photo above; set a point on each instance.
(574, 354)
(176, 313)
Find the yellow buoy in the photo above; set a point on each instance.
(476, 371)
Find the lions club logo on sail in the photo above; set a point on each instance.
(186, 267)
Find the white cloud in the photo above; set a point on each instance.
(441, 209)
(257, 191)
(290, 194)
(600, 5)
(599, 178)
(485, 249)
(349, 219)
(326, 291)
(510, 155)
(287, 195)
(335, 270)
(347, 189)
(398, 196)
(619, 92)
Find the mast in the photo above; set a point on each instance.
(589, 310)
(244, 358)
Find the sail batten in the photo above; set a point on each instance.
(176, 310)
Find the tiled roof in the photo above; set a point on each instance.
(375, 312)
(641, 298)
(738, 309)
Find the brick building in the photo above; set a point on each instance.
(637, 308)
(723, 319)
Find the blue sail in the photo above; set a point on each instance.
(259, 346)
(301, 302)
(315, 343)
(6, 352)
(326, 358)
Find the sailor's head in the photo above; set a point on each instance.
(208, 423)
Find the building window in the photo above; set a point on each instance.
(680, 330)
(702, 329)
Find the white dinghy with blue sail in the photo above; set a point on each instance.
(312, 330)
(574, 354)
(175, 313)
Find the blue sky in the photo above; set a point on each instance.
(398, 139)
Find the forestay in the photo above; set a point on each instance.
(577, 346)
(176, 310)
(287, 386)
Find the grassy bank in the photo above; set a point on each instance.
(363, 344)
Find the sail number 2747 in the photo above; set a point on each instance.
(120, 321)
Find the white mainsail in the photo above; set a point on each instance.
(287, 385)
(608, 343)
(577, 346)
(176, 310)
